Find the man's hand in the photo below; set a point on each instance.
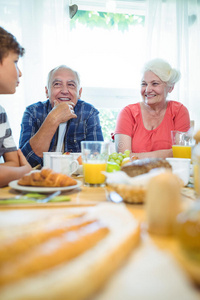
(63, 111)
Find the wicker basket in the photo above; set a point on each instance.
(130, 194)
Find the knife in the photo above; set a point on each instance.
(47, 199)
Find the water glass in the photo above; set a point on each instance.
(182, 144)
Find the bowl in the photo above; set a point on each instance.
(180, 167)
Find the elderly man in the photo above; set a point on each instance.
(62, 121)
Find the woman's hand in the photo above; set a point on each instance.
(154, 154)
(123, 142)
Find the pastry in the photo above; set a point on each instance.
(46, 178)
(188, 235)
(197, 137)
(188, 231)
(50, 228)
(141, 166)
(53, 251)
(82, 249)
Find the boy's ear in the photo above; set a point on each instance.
(47, 92)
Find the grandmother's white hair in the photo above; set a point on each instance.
(163, 70)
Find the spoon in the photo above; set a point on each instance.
(115, 197)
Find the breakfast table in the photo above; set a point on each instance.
(151, 271)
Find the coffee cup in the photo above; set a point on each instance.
(46, 158)
(64, 164)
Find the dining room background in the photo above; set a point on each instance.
(107, 42)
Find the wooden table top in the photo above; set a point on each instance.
(152, 269)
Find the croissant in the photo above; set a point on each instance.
(46, 178)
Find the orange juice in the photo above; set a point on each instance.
(92, 173)
(197, 179)
(181, 151)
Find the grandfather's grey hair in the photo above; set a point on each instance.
(61, 67)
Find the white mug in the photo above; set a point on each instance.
(46, 158)
(64, 164)
(180, 167)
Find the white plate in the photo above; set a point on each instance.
(16, 186)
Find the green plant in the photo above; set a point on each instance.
(108, 119)
(106, 20)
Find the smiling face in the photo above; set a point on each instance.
(9, 73)
(63, 87)
(153, 89)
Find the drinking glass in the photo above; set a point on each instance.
(94, 158)
(182, 144)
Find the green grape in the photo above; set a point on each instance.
(127, 153)
(118, 162)
(112, 167)
(114, 155)
(120, 157)
(111, 160)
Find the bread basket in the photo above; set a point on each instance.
(130, 194)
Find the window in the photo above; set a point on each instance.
(107, 50)
(107, 42)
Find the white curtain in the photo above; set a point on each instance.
(42, 28)
(173, 33)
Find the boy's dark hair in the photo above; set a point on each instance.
(9, 43)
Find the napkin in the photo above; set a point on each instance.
(149, 274)
(121, 177)
(32, 198)
(61, 135)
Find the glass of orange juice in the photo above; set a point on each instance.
(182, 144)
(94, 158)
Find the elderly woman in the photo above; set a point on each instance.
(144, 128)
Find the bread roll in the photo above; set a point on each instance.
(35, 235)
(141, 166)
(53, 252)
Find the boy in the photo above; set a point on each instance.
(15, 164)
